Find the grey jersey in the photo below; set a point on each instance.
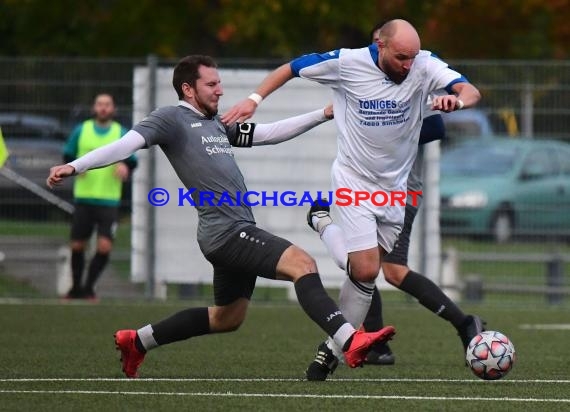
(201, 155)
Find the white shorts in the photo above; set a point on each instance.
(367, 225)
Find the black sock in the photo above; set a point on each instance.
(317, 304)
(373, 320)
(432, 297)
(77, 265)
(139, 345)
(182, 325)
(96, 267)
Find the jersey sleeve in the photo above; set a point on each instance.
(158, 127)
(441, 76)
(322, 68)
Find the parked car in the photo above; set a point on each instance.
(34, 143)
(467, 124)
(502, 187)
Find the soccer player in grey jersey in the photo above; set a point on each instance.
(198, 146)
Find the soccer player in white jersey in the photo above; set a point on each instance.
(379, 98)
(395, 264)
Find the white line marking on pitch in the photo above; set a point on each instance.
(363, 380)
(286, 395)
(545, 326)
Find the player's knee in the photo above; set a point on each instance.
(78, 246)
(226, 322)
(364, 272)
(295, 263)
(231, 325)
(394, 274)
(104, 246)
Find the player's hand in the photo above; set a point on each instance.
(122, 171)
(328, 111)
(240, 112)
(446, 103)
(58, 173)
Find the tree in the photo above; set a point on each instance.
(513, 29)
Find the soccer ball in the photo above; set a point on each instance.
(490, 355)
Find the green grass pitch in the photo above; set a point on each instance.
(61, 357)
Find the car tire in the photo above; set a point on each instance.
(502, 226)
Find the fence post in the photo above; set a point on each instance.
(554, 279)
(63, 270)
(450, 275)
(527, 110)
(473, 289)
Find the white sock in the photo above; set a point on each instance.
(333, 238)
(354, 300)
(339, 339)
(321, 220)
(146, 336)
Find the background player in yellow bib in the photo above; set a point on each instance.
(97, 195)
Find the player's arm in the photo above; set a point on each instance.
(252, 134)
(463, 95)
(131, 162)
(246, 108)
(466, 94)
(103, 156)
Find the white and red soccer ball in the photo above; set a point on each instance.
(490, 355)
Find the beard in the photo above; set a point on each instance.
(211, 111)
(395, 76)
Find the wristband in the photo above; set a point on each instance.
(256, 98)
(459, 104)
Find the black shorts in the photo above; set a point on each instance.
(87, 217)
(248, 253)
(399, 254)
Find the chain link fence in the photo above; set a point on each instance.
(520, 98)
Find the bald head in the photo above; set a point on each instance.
(398, 45)
(400, 33)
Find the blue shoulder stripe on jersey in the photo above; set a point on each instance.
(373, 48)
(461, 79)
(311, 59)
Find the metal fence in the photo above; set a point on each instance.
(522, 98)
(530, 98)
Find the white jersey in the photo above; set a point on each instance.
(378, 120)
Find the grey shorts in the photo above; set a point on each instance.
(247, 254)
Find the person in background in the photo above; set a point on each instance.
(97, 196)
